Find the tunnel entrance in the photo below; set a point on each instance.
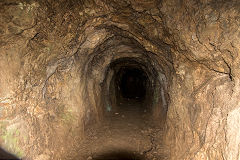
(129, 94)
(129, 91)
(131, 83)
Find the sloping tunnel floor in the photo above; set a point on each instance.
(128, 134)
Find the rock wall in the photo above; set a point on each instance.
(205, 91)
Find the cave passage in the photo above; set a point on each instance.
(128, 91)
(130, 86)
(132, 83)
(115, 79)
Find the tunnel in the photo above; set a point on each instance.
(107, 80)
(131, 83)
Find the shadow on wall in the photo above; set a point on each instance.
(7, 156)
(119, 155)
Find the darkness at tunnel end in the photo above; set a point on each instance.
(131, 83)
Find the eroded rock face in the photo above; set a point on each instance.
(55, 63)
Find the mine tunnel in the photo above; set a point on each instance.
(133, 82)
(129, 79)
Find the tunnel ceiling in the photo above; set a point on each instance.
(160, 27)
(58, 59)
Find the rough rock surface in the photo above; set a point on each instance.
(55, 59)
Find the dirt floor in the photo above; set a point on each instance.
(128, 134)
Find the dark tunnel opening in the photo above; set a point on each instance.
(133, 97)
(124, 75)
(131, 83)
